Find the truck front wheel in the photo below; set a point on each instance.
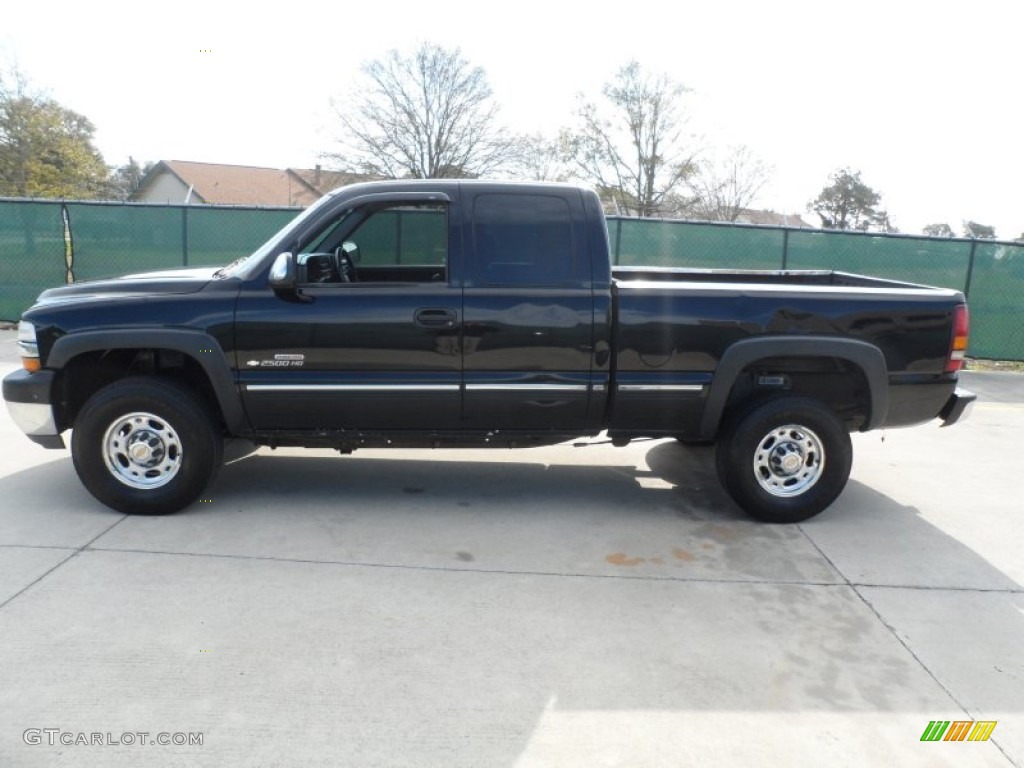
(146, 446)
(784, 460)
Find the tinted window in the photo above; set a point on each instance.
(523, 240)
(398, 243)
(409, 235)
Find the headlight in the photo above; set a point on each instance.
(28, 346)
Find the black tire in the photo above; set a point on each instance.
(784, 460)
(146, 446)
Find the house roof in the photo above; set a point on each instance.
(773, 219)
(222, 184)
(324, 181)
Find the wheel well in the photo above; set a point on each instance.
(840, 384)
(87, 373)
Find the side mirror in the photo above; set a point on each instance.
(283, 279)
(282, 273)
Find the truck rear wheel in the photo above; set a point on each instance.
(145, 446)
(784, 460)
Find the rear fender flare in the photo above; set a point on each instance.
(865, 356)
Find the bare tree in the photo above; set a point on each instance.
(427, 115)
(724, 187)
(541, 158)
(632, 146)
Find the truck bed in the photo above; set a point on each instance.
(805, 277)
(674, 327)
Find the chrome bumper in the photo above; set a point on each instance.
(28, 402)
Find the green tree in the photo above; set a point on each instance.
(124, 180)
(938, 230)
(848, 203)
(632, 145)
(46, 150)
(427, 115)
(983, 231)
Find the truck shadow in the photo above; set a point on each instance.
(675, 475)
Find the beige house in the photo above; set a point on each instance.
(180, 181)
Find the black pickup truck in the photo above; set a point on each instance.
(469, 313)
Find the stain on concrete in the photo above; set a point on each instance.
(620, 558)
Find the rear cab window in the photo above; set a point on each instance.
(525, 239)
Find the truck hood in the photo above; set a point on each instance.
(163, 282)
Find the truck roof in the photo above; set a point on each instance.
(400, 185)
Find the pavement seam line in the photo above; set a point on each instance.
(932, 675)
(856, 584)
(70, 556)
(892, 631)
(446, 569)
(930, 588)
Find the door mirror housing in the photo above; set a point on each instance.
(282, 273)
(283, 278)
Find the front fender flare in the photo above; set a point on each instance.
(200, 346)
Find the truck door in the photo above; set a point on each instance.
(371, 341)
(528, 309)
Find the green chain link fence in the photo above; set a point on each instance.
(46, 243)
(43, 244)
(990, 272)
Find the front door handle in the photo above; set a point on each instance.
(436, 317)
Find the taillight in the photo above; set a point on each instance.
(958, 347)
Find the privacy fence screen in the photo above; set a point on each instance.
(43, 244)
(46, 243)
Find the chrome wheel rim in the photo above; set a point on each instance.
(142, 450)
(789, 460)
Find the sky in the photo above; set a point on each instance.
(922, 97)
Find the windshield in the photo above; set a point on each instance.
(240, 267)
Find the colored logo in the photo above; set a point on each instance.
(958, 730)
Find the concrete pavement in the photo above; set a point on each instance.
(545, 607)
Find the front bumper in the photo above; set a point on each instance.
(28, 401)
(957, 407)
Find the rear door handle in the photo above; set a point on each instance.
(436, 317)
